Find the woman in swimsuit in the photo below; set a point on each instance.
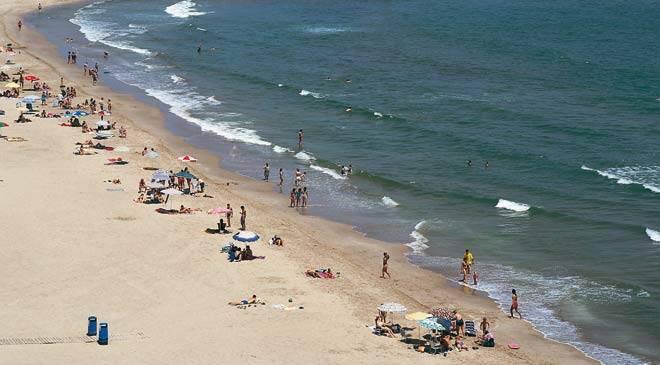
(293, 198)
(514, 303)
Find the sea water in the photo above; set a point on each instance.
(556, 105)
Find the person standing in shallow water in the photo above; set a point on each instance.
(281, 173)
(301, 139)
(266, 171)
(514, 303)
(384, 271)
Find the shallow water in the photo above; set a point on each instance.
(560, 98)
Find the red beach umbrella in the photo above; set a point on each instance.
(187, 158)
(31, 78)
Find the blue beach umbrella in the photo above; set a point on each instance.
(185, 175)
(78, 113)
(161, 175)
(246, 236)
(30, 99)
(432, 324)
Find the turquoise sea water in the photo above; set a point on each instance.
(561, 98)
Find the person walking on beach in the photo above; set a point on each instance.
(301, 138)
(20, 25)
(266, 171)
(514, 303)
(384, 271)
(243, 217)
(228, 215)
(281, 173)
(39, 7)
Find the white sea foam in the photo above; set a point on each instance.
(304, 92)
(646, 176)
(177, 79)
(325, 30)
(379, 115)
(280, 85)
(183, 9)
(179, 103)
(389, 202)
(280, 149)
(103, 32)
(419, 243)
(302, 155)
(653, 235)
(509, 205)
(330, 172)
(215, 101)
(201, 29)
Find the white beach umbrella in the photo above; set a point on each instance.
(102, 123)
(152, 154)
(171, 191)
(392, 307)
(161, 175)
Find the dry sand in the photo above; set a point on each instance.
(72, 248)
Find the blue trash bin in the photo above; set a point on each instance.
(91, 326)
(103, 334)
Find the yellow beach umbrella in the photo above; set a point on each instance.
(417, 316)
(12, 85)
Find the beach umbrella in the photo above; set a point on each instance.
(156, 185)
(432, 324)
(219, 211)
(102, 123)
(161, 175)
(2, 124)
(31, 78)
(151, 154)
(12, 85)
(79, 113)
(30, 99)
(392, 307)
(104, 112)
(246, 236)
(171, 191)
(185, 175)
(187, 158)
(417, 316)
(442, 312)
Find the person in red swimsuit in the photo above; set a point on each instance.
(514, 303)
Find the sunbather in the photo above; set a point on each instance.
(459, 344)
(252, 300)
(184, 210)
(383, 326)
(140, 199)
(246, 254)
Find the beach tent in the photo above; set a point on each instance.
(151, 154)
(246, 236)
(187, 158)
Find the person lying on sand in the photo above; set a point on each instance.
(277, 241)
(252, 300)
(184, 210)
(114, 181)
(322, 274)
(459, 344)
(82, 151)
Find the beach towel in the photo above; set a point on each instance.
(513, 346)
(117, 163)
(15, 139)
(114, 189)
(167, 211)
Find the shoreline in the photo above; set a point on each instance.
(266, 200)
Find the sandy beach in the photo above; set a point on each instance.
(76, 245)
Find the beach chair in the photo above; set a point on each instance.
(470, 330)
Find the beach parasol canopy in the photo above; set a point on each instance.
(31, 78)
(219, 211)
(432, 324)
(12, 85)
(246, 236)
(152, 154)
(30, 99)
(161, 175)
(102, 123)
(78, 113)
(156, 185)
(392, 307)
(417, 316)
(187, 158)
(442, 312)
(171, 191)
(2, 124)
(185, 175)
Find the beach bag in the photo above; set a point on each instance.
(489, 343)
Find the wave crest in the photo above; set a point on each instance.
(510, 205)
(183, 9)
